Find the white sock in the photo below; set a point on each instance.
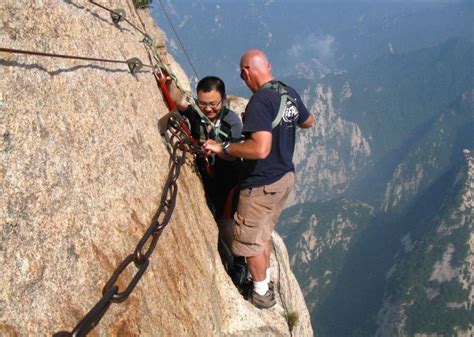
(260, 287)
(268, 275)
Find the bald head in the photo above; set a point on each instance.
(257, 67)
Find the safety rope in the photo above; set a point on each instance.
(177, 36)
(154, 53)
(134, 64)
(119, 15)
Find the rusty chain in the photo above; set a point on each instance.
(180, 144)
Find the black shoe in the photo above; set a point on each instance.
(239, 272)
(246, 289)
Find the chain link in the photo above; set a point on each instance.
(180, 143)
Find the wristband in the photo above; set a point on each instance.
(225, 146)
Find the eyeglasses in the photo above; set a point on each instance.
(212, 105)
(242, 72)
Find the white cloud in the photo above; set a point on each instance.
(318, 46)
(184, 21)
(269, 39)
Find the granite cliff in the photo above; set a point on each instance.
(82, 170)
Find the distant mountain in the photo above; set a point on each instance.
(370, 119)
(369, 275)
(332, 153)
(391, 264)
(307, 39)
(395, 96)
(436, 151)
(318, 236)
(431, 281)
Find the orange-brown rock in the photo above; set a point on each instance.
(82, 170)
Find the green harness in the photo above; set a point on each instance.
(216, 132)
(216, 127)
(282, 89)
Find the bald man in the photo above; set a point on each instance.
(268, 167)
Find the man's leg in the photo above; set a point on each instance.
(257, 213)
(267, 251)
(257, 267)
(253, 212)
(285, 184)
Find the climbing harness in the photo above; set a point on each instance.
(282, 89)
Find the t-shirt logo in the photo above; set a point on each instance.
(291, 112)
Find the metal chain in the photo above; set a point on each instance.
(180, 145)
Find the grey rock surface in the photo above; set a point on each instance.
(82, 170)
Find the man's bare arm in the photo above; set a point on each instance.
(309, 122)
(258, 146)
(176, 95)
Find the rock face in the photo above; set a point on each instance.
(330, 155)
(82, 170)
(449, 248)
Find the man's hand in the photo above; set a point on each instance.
(212, 147)
(176, 95)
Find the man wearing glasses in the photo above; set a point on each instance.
(220, 175)
(267, 151)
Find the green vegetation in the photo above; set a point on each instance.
(292, 319)
(142, 3)
(434, 305)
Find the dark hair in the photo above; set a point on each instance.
(210, 83)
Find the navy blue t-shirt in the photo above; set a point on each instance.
(260, 112)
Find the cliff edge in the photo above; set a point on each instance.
(82, 170)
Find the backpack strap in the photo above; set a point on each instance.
(282, 89)
(220, 135)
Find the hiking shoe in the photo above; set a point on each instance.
(246, 289)
(263, 301)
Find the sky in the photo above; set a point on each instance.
(304, 38)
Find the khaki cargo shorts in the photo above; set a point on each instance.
(257, 214)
